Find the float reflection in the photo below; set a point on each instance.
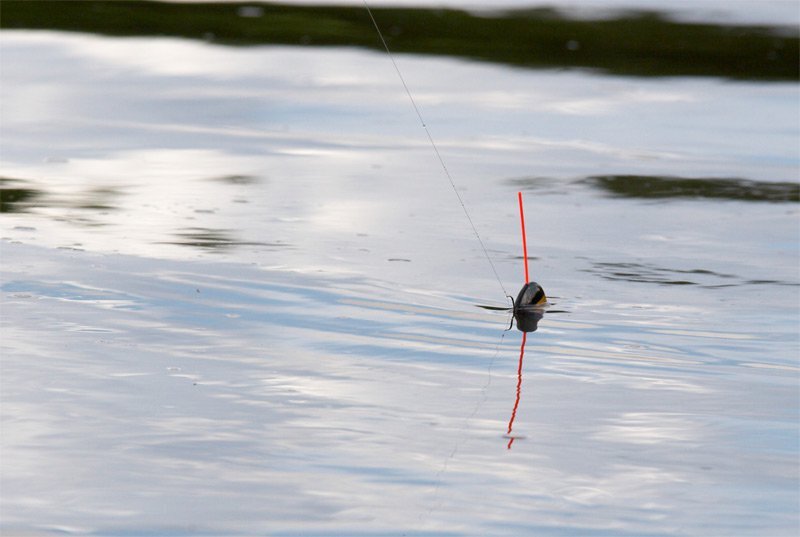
(511, 437)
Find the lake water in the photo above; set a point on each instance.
(240, 297)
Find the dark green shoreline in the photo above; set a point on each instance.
(633, 43)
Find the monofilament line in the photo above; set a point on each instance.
(435, 149)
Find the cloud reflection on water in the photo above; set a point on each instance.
(230, 380)
(340, 384)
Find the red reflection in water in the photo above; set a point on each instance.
(519, 390)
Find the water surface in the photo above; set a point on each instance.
(239, 297)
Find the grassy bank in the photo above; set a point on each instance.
(638, 44)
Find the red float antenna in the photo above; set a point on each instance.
(524, 241)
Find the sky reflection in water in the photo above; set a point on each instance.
(261, 361)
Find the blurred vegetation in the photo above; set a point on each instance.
(632, 43)
(15, 198)
(654, 187)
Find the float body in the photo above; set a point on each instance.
(529, 306)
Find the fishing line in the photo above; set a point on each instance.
(436, 501)
(436, 150)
